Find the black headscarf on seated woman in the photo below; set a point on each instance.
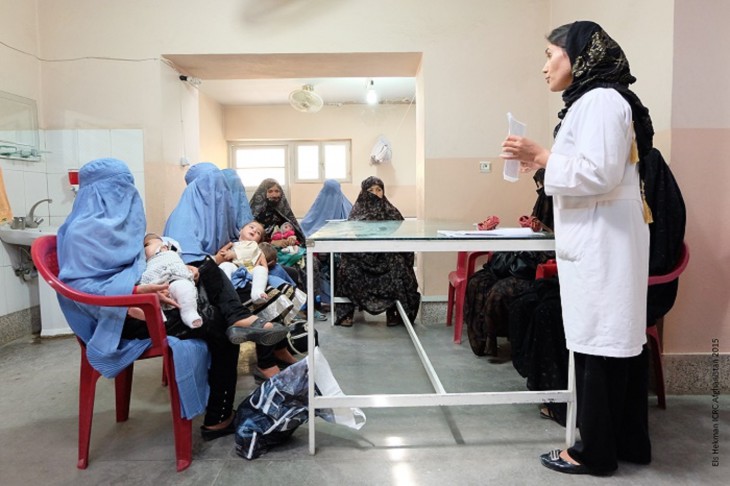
(374, 281)
(369, 207)
(272, 213)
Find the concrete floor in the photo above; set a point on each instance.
(497, 444)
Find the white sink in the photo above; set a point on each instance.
(25, 237)
(53, 322)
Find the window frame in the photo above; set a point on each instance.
(234, 146)
(291, 165)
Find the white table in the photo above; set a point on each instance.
(422, 236)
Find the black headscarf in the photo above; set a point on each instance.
(599, 62)
(543, 208)
(369, 207)
(374, 281)
(272, 214)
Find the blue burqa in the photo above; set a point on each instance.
(203, 220)
(330, 203)
(241, 207)
(100, 252)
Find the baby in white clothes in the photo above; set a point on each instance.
(165, 266)
(246, 253)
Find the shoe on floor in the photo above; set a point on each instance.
(212, 434)
(257, 333)
(392, 320)
(552, 460)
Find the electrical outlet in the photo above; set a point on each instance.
(485, 167)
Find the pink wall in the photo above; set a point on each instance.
(700, 160)
(702, 311)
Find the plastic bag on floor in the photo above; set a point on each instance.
(271, 414)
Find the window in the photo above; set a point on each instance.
(254, 163)
(316, 162)
(295, 161)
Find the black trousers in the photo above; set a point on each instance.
(226, 309)
(612, 411)
(265, 357)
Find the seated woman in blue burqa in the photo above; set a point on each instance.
(375, 281)
(330, 204)
(100, 251)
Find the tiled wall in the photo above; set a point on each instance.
(27, 182)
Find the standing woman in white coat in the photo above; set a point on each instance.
(601, 240)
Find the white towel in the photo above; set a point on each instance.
(6, 215)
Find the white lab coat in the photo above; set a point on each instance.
(601, 239)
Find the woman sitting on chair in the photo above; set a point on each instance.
(271, 208)
(491, 290)
(330, 204)
(204, 222)
(241, 207)
(100, 252)
(375, 281)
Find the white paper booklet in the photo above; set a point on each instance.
(495, 233)
(511, 170)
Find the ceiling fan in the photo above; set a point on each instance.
(306, 100)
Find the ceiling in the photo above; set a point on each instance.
(264, 79)
(333, 91)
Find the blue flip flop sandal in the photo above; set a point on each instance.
(256, 333)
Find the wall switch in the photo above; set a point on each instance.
(485, 167)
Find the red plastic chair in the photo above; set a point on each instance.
(44, 256)
(465, 262)
(548, 269)
(652, 332)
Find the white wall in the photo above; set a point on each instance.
(359, 123)
(645, 32)
(469, 79)
(29, 182)
(480, 60)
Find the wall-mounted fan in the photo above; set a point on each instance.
(305, 99)
(382, 152)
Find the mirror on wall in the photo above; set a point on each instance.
(19, 136)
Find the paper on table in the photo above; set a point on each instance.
(495, 233)
(511, 170)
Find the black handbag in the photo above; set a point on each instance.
(519, 264)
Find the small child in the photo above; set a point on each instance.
(165, 266)
(269, 254)
(286, 231)
(246, 253)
